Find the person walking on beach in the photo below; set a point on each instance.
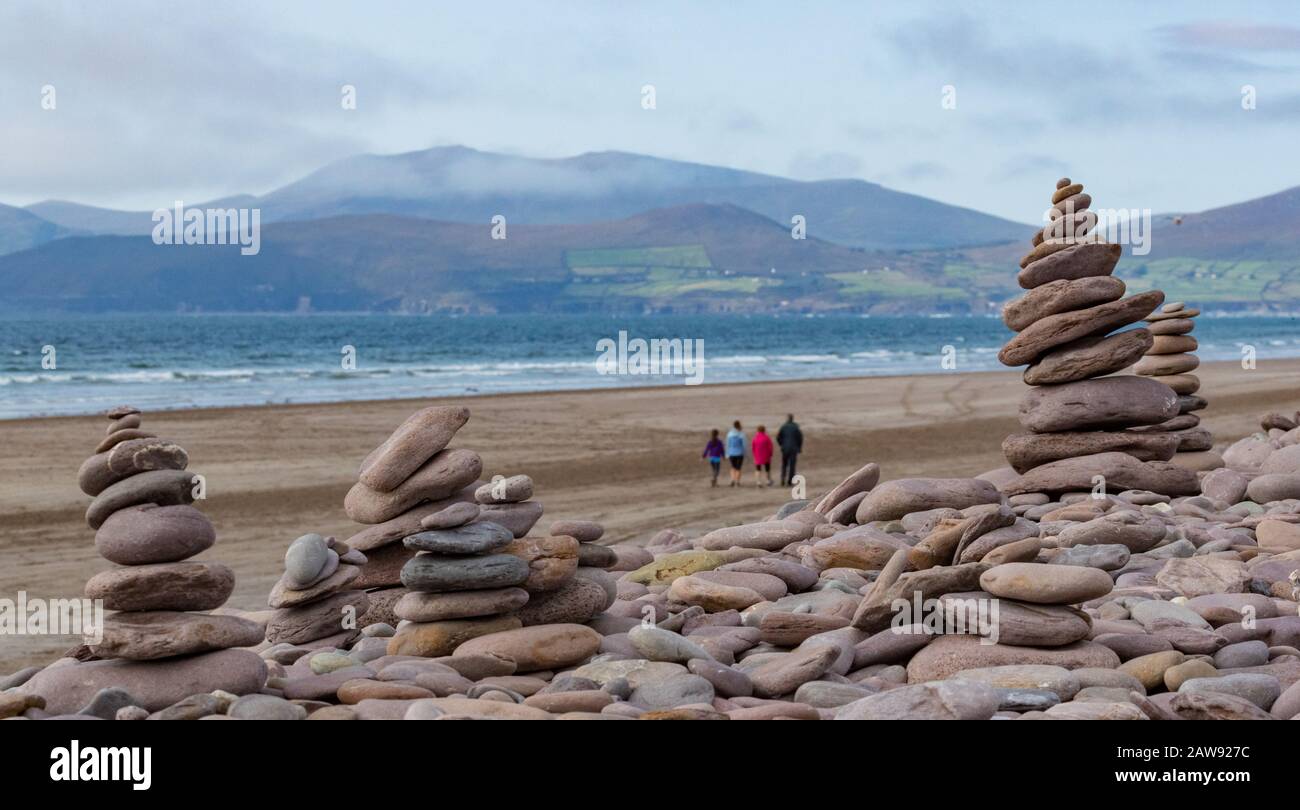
(736, 451)
(713, 452)
(762, 449)
(790, 440)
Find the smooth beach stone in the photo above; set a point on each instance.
(305, 560)
(1153, 614)
(544, 647)
(770, 587)
(1046, 584)
(1201, 576)
(319, 619)
(1058, 296)
(438, 574)
(1282, 460)
(656, 644)
(584, 531)
(514, 489)
(162, 634)
(423, 435)
(894, 499)
(1261, 690)
(551, 561)
(1150, 669)
(1192, 668)
(1053, 262)
(1105, 556)
(861, 480)
(157, 488)
(1212, 706)
(1225, 485)
(129, 458)
(1112, 402)
(407, 523)
(877, 611)
(473, 538)
(1057, 680)
(163, 586)
(1025, 451)
(575, 602)
(1278, 537)
(150, 534)
(1136, 532)
(797, 578)
(326, 662)
(265, 707)
(435, 639)
(122, 435)
(712, 596)
(1120, 470)
(445, 473)
(121, 412)
(1242, 654)
(682, 689)
(947, 655)
(107, 703)
(937, 700)
(1173, 344)
(457, 514)
(1160, 365)
(1048, 333)
(1219, 609)
(1274, 487)
(157, 684)
(727, 681)
(124, 422)
(787, 672)
(669, 567)
(862, 548)
(1018, 623)
(420, 606)
(1133, 645)
(771, 535)
(1089, 357)
(1175, 326)
(519, 518)
(591, 555)
(284, 597)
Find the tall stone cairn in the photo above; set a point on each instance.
(1170, 360)
(1078, 418)
(159, 646)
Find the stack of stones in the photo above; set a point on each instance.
(145, 524)
(1170, 360)
(158, 647)
(411, 476)
(1077, 419)
(316, 603)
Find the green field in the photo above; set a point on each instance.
(603, 259)
(892, 284)
(1223, 281)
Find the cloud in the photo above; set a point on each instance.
(1233, 36)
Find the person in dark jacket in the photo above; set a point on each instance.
(790, 439)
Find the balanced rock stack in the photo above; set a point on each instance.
(1170, 360)
(1077, 419)
(315, 601)
(158, 646)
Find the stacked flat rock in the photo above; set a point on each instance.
(1078, 418)
(159, 644)
(315, 600)
(1171, 360)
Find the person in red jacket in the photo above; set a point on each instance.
(762, 450)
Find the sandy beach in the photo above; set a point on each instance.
(627, 458)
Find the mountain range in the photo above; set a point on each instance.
(603, 231)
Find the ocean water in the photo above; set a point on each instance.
(160, 362)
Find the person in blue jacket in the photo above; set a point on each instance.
(736, 444)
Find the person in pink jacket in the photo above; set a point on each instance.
(762, 450)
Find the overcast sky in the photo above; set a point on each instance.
(1140, 101)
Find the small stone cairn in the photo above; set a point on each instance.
(1170, 360)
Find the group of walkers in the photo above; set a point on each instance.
(737, 445)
